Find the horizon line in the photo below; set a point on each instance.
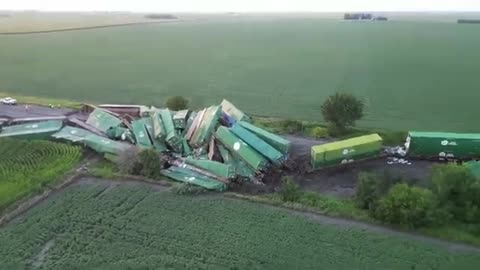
(245, 12)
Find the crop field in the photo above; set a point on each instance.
(412, 75)
(101, 225)
(27, 166)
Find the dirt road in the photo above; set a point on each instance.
(21, 111)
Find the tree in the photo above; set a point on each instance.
(458, 191)
(372, 187)
(404, 205)
(342, 110)
(177, 103)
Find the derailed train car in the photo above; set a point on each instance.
(443, 145)
(346, 151)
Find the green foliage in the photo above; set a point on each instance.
(453, 231)
(291, 126)
(367, 193)
(372, 186)
(341, 110)
(150, 163)
(290, 190)
(187, 189)
(177, 103)
(405, 205)
(27, 166)
(458, 191)
(319, 132)
(393, 138)
(128, 162)
(135, 227)
(105, 169)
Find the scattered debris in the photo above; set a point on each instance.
(394, 160)
(395, 151)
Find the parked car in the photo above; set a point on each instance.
(8, 101)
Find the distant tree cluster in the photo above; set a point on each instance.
(380, 18)
(358, 16)
(468, 21)
(363, 16)
(161, 16)
(177, 103)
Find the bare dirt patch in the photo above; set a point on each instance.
(342, 181)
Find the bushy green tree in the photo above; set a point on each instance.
(405, 205)
(341, 110)
(177, 103)
(458, 191)
(372, 186)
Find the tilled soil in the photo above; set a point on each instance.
(342, 181)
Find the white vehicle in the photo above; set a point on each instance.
(8, 101)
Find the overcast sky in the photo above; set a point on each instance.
(243, 5)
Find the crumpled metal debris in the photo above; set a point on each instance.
(210, 148)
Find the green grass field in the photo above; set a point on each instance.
(26, 167)
(100, 226)
(412, 75)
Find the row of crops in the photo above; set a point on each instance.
(27, 166)
(105, 225)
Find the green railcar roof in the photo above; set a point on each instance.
(347, 143)
(31, 128)
(102, 120)
(444, 135)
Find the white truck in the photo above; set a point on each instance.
(8, 101)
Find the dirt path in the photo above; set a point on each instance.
(352, 224)
(19, 111)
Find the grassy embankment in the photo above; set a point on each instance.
(42, 100)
